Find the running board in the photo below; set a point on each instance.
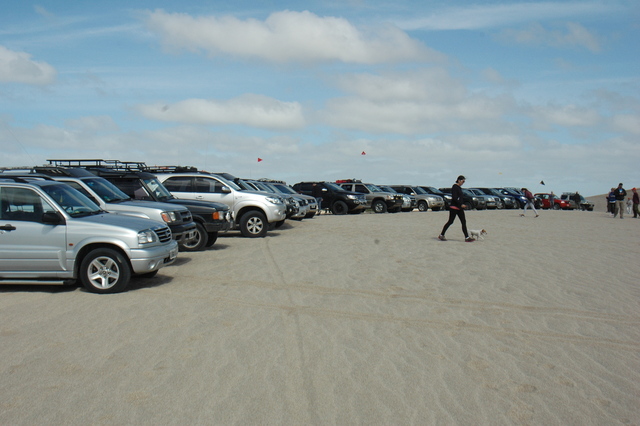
(13, 281)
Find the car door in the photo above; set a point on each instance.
(28, 247)
(211, 189)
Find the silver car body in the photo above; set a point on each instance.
(33, 250)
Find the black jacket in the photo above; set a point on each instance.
(456, 196)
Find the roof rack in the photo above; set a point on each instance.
(25, 178)
(348, 181)
(105, 164)
(172, 169)
(272, 181)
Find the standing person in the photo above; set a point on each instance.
(578, 200)
(620, 194)
(552, 200)
(457, 209)
(611, 201)
(636, 201)
(317, 194)
(529, 196)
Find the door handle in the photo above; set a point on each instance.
(7, 227)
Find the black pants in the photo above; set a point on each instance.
(452, 216)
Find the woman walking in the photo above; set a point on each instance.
(457, 209)
(530, 202)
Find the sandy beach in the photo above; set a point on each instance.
(347, 320)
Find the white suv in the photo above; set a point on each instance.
(254, 212)
(50, 233)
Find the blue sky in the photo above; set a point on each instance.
(507, 93)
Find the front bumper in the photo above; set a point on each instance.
(153, 258)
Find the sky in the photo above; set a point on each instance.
(507, 93)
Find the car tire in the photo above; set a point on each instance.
(212, 237)
(556, 206)
(104, 270)
(339, 207)
(253, 224)
(423, 206)
(379, 206)
(199, 242)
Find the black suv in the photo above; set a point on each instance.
(130, 178)
(334, 197)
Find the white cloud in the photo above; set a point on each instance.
(288, 36)
(567, 115)
(501, 15)
(18, 67)
(250, 110)
(412, 103)
(573, 35)
(627, 123)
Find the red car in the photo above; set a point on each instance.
(558, 203)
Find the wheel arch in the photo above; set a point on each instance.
(85, 250)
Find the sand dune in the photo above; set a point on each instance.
(363, 319)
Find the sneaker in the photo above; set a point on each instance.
(521, 215)
(441, 237)
(469, 240)
(537, 215)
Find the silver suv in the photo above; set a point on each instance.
(254, 212)
(111, 199)
(53, 234)
(424, 199)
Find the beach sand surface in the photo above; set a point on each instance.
(365, 319)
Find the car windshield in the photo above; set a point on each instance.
(71, 200)
(334, 187)
(263, 187)
(108, 192)
(371, 187)
(388, 189)
(228, 183)
(161, 193)
(419, 190)
(245, 186)
(285, 189)
(433, 190)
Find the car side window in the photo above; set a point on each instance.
(208, 185)
(22, 204)
(178, 184)
(361, 188)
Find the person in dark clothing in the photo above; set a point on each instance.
(611, 201)
(457, 209)
(620, 195)
(635, 200)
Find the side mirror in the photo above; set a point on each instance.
(226, 190)
(52, 218)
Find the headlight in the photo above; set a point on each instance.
(147, 237)
(274, 200)
(169, 217)
(352, 197)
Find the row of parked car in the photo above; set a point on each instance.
(102, 221)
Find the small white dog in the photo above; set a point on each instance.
(477, 234)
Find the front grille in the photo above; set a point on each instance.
(186, 216)
(163, 233)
